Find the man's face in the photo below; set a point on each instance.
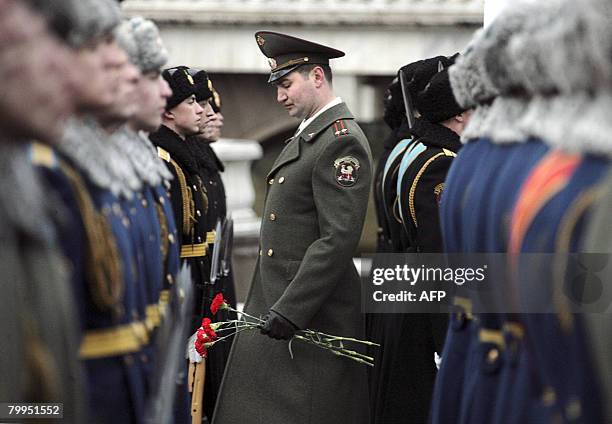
(187, 117)
(35, 73)
(96, 89)
(152, 92)
(208, 123)
(124, 78)
(297, 94)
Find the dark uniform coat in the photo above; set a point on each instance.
(313, 217)
(209, 169)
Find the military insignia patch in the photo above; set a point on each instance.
(346, 171)
(438, 192)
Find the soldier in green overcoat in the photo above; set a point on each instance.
(315, 207)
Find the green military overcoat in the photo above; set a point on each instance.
(313, 217)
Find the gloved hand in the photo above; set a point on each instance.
(190, 352)
(278, 327)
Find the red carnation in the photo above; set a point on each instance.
(217, 303)
(201, 348)
(206, 332)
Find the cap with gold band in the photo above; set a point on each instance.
(285, 53)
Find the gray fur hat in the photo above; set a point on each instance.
(568, 53)
(140, 38)
(94, 18)
(468, 78)
(519, 21)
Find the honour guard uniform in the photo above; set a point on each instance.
(210, 168)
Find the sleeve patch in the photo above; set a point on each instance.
(346, 171)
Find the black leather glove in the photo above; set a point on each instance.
(278, 327)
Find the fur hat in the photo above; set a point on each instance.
(204, 85)
(468, 78)
(94, 18)
(139, 37)
(182, 84)
(436, 102)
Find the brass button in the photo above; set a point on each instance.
(271, 181)
(272, 217)
(549, 397)
(270, 252)
(144, 203)
(169, 278)
(281, 180)
(171, 238)
(573, 410)
(198, 213)
(162, 200)
(195, 187)
(492, 355)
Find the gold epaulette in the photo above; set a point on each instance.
(194, 250)
(163, 154)
(115, 341)
(42, 155)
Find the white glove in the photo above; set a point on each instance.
(191, 352)
(437, 360)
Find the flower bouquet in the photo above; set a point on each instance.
(211, 333)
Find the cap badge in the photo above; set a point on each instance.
(272, 63)
(260, 40)
(190, 79)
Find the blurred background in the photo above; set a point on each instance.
(378, 37)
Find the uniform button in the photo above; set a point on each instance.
(260, 252)
(492, 356)
(281, 180)
(162, 200)
(169, 278)
(271, 181)
(144, 203)
(195, 187)
(573, 410)
(126, 222)
(549, 397)
(171, 238)
(272, 217)
(270, 252)
(198, 213)
(199, 239)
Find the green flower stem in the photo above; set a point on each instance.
(333, 338)
(344, 352)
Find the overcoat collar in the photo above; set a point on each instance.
(176, 146)
(309, 134)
